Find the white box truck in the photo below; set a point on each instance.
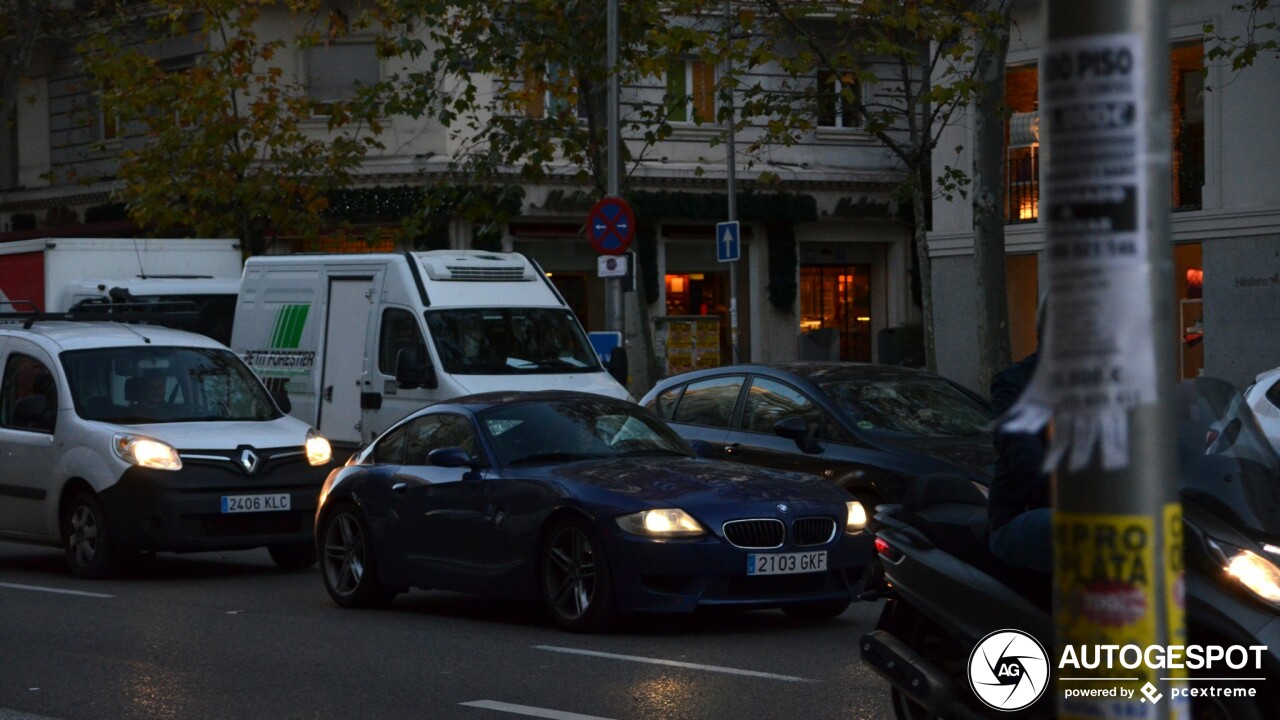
(360, 341)
(57, 274)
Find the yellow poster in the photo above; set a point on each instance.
(1175, 579)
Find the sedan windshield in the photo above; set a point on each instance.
(577, 429)
(923, 406)
(137, 385)
(508, 341)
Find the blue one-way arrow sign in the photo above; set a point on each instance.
(728, 242)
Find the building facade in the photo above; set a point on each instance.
(1225, 200)
(835, 258)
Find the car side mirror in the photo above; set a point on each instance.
(794, 428)
(452, 457)
(28, 411)
(281, 397)
(414, 372)
(617, 365)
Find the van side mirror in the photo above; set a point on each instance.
(281, 397)
(415, 372)
(794, 428)
(617, 365)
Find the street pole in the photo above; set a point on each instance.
(617, 314)
(731, 176)
(1107, 361)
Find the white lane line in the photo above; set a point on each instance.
(59, 591)
(15, 715)
(675, 663)
(529, 711)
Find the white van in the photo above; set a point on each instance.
(119, 440)
(360, 341)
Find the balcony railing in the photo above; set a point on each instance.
(1022, 185)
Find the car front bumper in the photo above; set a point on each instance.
(181, 511)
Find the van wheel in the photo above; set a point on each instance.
(349, 569)
(298, 556)
(88, 544)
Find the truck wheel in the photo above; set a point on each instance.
(298, 556)
(88, 544)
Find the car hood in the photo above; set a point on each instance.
(600, 383)
(690, 482)
(278, 433)
(973, 454)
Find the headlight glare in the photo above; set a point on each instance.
(319, 451)
(146, 452)
(856, 519)
(1256, 573)
(668, 522)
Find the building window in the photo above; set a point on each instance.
(691, 93)
(839, 101)
(336, 72)
(552, 94)
(108, 119)
(1022, 143)
(1187, 64)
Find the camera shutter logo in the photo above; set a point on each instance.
(1008, 670)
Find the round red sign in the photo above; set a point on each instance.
(611, 226)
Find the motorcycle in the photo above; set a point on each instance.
(944, 592)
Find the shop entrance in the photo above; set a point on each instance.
(703, 293)
(838, 297)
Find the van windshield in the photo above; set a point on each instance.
(510, 341)
(138, 385)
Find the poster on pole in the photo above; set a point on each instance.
(687, 342)
(1096, 359)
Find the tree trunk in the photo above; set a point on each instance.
(919, 197)
(988, 195)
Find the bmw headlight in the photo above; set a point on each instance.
(146, 452)
(319, 451)
(671, 522)
(856, 519)
(1256, 573)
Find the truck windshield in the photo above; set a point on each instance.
(138, 385)
(510, 341)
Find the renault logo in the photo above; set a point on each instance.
(782, 507)
(249, 461)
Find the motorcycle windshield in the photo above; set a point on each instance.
(1227, 463)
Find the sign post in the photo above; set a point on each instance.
(611, 227)
(1106, 369)
(732, 237)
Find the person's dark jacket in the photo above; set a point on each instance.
(1019, 485)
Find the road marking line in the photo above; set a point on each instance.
(6, 714)
(60, 591)
(675, 663)
(530, 711)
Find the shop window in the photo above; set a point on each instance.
(1189, 286)
(703, 294)
(691, 92)
(838, 297)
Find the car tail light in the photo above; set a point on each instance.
(888, 551)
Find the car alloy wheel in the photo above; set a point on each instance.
(89, 550)
(575, 578)
(348, 569)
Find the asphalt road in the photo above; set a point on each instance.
(227, 635)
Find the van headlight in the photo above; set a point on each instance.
(319, 452)
(855, 518)
(146, 452)
(665, 523)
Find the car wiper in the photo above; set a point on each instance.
(555, 457)
(653, 451)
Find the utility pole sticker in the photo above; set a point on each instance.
(1096, 359)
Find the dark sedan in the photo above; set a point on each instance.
(588, 504)
(870, 429)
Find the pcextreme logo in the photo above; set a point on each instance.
(1008, 670)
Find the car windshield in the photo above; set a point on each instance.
(576, 429)
(137, 385)
(923, 406)
(1227, 462)
(508, 341)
